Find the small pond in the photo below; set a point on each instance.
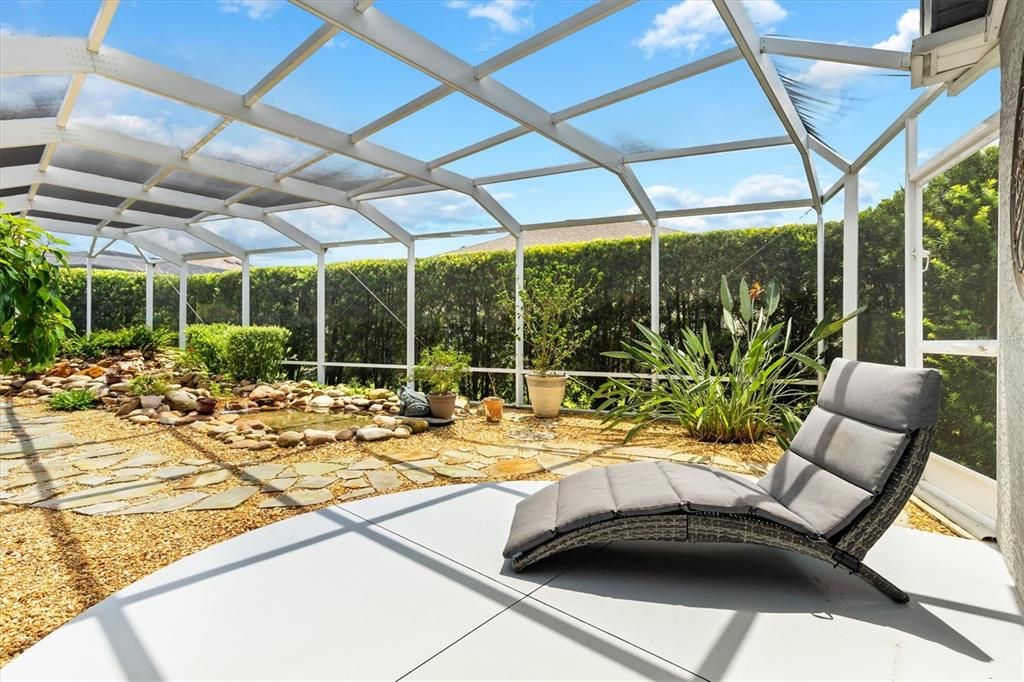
(296, 420)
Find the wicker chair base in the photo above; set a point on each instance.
(709, 528)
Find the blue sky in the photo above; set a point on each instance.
(347, 84)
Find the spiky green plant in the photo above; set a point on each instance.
(754, 392)
(75, 399)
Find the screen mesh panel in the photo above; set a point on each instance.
(72, 194)
(100, 163)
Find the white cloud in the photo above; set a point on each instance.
(833, 76)
(691, 24)
(507, 16)
(254, 9)
(266, 151)
(435, 211)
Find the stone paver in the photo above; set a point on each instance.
(165, 504)
(315, 468)
(644, 451)
(34, 445)
(570, 469)
(315, 482)
(299, 498)
(96, 463)
(229, 499)
(499, 451)
(39, 477)
(96, 450)
(409, 456)
(551, 461)
(104, 493)
(384, 479)
(368, 463)
(37, 493)
(173, 472)
(421, 465)
(146, 459)
(262, 472)
(356, 483)
(418, 476)
(356, 493)
(459, 472)
(514, 467)
(278, 485)
(94, 479)
(346, 474)
(101, 508)
(204, 479)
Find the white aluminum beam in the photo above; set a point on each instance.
(978, 137)
(215, 240)
(534, 173)
(149, 294)
(410, 314)
(655, 280)
(738, 208)
(100, 25)
(736, 19)
(42, 131)
(88, 296)
(295, 58)
(913, 252)
(562, 29)
(30, 55)
(701, 150)
(376, 28)
(893, 60)
(829, 154)
(980, 68)
(321, 315)
(218, 126)
(281, 225)
(245, 290)
(675, 75)
(520, 282)
(896, 127)
(819, 279)
(70, 97)
(182, 303)
(851, 268)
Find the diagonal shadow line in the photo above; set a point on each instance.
(115, 625)
(1015, 618)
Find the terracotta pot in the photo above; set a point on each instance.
(151, 401)
(206, 405)
(546, 394)
(442, 405)
(493, 408)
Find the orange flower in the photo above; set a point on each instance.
(756, 290)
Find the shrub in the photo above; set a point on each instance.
(33, 318)
(210, 343)
(75, 399)
(113, 342)
(256, 353)
(752, 392)
(147, 384)
(442, 369)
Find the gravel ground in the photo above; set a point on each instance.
(55, 564)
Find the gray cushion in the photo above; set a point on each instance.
(825, 501)
(637, 488)
(858, 452)
(895, 398)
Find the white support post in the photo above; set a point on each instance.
(913, 250)
(321, 312)
(410, 313)
(88, 296)
(819, 280)
(245, 290)
(656, 279)
(182, 303)
(851, 268)
(520, 281)
(149, 295)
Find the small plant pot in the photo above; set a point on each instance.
(442, 405)
(151, 402)
(206, 405)
(493, 408)
(546, 394)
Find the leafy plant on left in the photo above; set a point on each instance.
(75, 399)
(33, 319)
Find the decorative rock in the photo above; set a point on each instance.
(140, 419)
(321, 403)
(317, 437)
(182, 401)
(168, 419)
(415, 425)
(289, 439)
(373, 433)
(378, 394)
(344, 434)
(385, 421)
(376, 407)
(402, 432)
(129, 405)
(244, 444)
(264, 394)
(297, 499)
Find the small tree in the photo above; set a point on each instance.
(33, 319)
(442, 369)
(553, 300)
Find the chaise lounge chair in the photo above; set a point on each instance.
(848, 473)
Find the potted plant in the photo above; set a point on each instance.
(552, 302)
(149, 388)
(441, 370)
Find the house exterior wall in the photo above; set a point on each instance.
(1010, 415)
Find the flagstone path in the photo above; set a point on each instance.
(43, 465)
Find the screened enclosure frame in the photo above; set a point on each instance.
(127, 221)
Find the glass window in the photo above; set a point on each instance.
(967, 432)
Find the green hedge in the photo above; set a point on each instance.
(456, 296)
(253, 353)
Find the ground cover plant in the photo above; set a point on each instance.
(75, 399)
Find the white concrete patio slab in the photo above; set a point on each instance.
(413, 584)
